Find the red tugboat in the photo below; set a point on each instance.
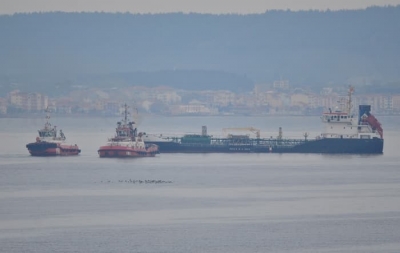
(49, 144)
(127, 142)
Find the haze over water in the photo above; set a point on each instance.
(203, 202)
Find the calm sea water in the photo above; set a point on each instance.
(196, 202)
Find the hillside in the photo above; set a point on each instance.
(194, 50)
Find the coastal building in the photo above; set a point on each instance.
(193, 108)
(396, 102)
(169, 97)
(281, 84)
(3, 106)
(224, 98)
(300, 100)
(28, 101)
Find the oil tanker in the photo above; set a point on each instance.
(345, 133)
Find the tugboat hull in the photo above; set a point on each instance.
(124, 152)
(52, 149)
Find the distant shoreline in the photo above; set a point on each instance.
(39, 115)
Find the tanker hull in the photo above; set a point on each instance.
(324, 145)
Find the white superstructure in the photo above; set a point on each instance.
(343, 123)
(49, 132)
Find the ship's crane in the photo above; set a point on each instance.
(250, 129)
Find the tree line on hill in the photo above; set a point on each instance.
(44, 51)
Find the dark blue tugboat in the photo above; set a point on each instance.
(51, 143)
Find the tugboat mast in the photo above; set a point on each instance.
(126, 113)
(47, 125)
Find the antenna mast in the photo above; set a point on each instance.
(126, 113)
(47, 117)
(349, 104)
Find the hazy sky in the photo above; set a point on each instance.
(201, 6)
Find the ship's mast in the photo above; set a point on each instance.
(47, 117)
(126, 114)
(349, 104)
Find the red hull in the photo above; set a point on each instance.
(121, 151)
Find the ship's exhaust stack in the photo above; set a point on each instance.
(364, 115)
(204, 130)
(363, 109)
